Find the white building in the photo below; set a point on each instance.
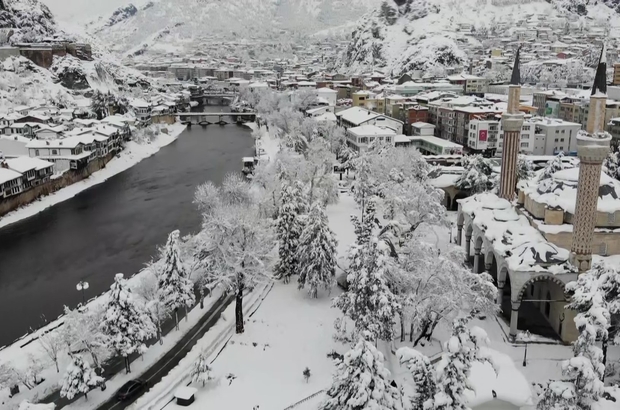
(34, 171)
(327, 95)
(11, 182)
(357, 116)
(431, 145)
(489, 135)
(142, 110)
(67, 153)
(553, 135)
(359, 138)
(422, 129)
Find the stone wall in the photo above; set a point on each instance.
(68, 178)
(43, 57)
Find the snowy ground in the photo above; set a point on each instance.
(291, 331)
(130, 156)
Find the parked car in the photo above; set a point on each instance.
(131, 389)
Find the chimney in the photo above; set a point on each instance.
(592, 149)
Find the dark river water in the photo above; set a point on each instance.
(110, 228)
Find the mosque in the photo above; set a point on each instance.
(536, 237)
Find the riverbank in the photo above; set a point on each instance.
(133, 153)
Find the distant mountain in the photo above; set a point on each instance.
(407, 35)
(181, 20)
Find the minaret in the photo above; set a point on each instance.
(592, 149)
(512, 121)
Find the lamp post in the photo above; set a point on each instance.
(82, 286)
(526, 339)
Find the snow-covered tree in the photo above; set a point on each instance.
(201, 371)
(525, 169)
(362, 382)
(596, 297)
(147, 288)
(316, 254)
(433, 287)
(423, 375)
(79, 378)
(98, 105)
(126, 322)
(553, 166)
(364, 188)
(611, 165)
(289, 226)
(368, 302)
(453, 370)
(477, 175)
(235, 239)
(52, 344)
(82, 332)
(175, 289)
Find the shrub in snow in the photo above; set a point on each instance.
(175, 289)
(423, 376)
(126, 322)
(235, 240)
(362, 382)
(316, 253)
(201, 371)
(289, 226)
(525, 168)
(306, 374)
(79, 378)
(477, 175)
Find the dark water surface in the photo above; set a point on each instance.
(110, 228)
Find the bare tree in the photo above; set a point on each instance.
(52, 343)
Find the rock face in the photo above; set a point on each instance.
(405, 36)
(130, 28)
(31, 20)
(70, 72)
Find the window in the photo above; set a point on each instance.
(557, 131)
(548, 304)
(602, 249)
(525, 144)
(556, 140)
(561, 139)
(563, 131)
(54, 152)
(36, 152)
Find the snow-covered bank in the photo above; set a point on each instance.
(132, 154)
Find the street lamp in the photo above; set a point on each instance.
(526, 339)
(82, 286)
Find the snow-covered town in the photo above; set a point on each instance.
(310, 204)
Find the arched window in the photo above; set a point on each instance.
(548, 304)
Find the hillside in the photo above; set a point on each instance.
(431, 35)
(173, 21)
(22, 82)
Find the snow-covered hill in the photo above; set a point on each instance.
(406, 35)
(22, 82)
(179, 20)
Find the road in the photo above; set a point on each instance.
(112, 227)
(159, 369)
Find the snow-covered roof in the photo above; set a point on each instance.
(437, 141)
(328, 116)
(326, 91)
(70, 142)
(402, 138)
(421, 124)
(357, 115)
(512, 236)
(371, 130)
(7, 175)
(24, 164)
(185, 392)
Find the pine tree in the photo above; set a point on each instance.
(368, 301)
(525, 169)
(553, 166)
(452, 372)
(126, 323)
(98, 105)
(79, 378)
(365, 228)
(363, 189)
(316, 253)
(423, 376)
(175, 290)
(289, 227)
(201, 371)
(477, 175)
(362, 382)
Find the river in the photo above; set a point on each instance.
(110, 228)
